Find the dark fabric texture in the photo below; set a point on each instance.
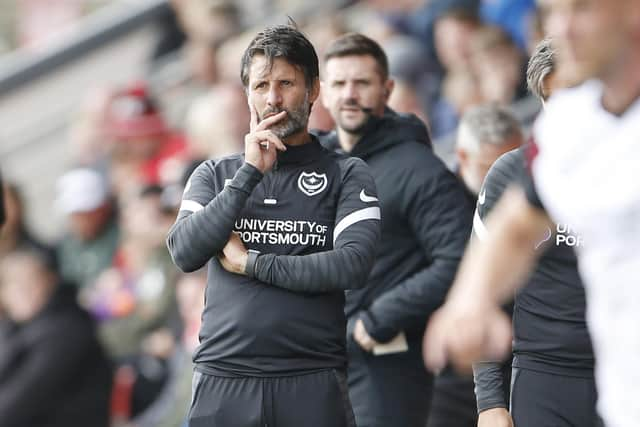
(311, 400)
(426, 220)
(53, 372)
(550, 331)
(540, 399)
(392, 390)
(454, 402)
(316, 235)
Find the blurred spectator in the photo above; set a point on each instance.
(405, 99)
(207, 24)
(485, 133)
(460, 91)
(170, 408)
(413, 87)
(453, 32)
(513, 16)
(90, 244)
(217, 122)
(201, 58)
(210, 20)
(86, 133)
(52, 369)
(143, 150)
(536, 33)
(499, 65)
(14, 234)
(229, 55)
(136, 295)
(172, 36)
(418, 21)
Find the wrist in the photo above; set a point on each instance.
(254, 164)
(250, 262)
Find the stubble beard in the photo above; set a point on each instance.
(295, 122)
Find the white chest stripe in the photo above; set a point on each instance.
(352, 218)
(479, 228)
(191, 206)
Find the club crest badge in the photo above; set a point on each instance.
(311, 183)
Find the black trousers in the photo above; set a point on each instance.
(454, 401)
(311, 400)
(540, 399)
(392, 390)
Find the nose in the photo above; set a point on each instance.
(349, 91)
(274, 97)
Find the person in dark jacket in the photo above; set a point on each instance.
(426, 221)
(53, 372)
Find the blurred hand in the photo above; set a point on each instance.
(234, 255)
(464, 332)
(495, 417)
(362, 337)
(260, 144)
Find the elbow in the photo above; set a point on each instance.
(184, 265)
(360, 274)
(179, 255)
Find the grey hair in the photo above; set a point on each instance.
(541, 64)
(487, 124)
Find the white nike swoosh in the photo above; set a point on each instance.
(367, 199)
(481, 197)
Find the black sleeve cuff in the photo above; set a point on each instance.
(490, 387)
(250, 268)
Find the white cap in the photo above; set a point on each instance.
(81, 190)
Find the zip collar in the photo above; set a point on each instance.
(301, 154)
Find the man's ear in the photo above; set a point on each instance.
(315, 91)
(388, 88)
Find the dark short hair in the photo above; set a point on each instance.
(286, 42)
(354, 44)
(463, 15)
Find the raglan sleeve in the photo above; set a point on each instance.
(491, 385)
(355, 234)
(206, 217)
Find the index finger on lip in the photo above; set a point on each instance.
(271, 120)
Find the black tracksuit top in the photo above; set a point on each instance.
(315, 220)
(549, 327)
(426, 221)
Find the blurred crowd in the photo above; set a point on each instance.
(135, 146)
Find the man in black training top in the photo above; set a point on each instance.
(552, 381)
(426, 222)
(272, 349)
